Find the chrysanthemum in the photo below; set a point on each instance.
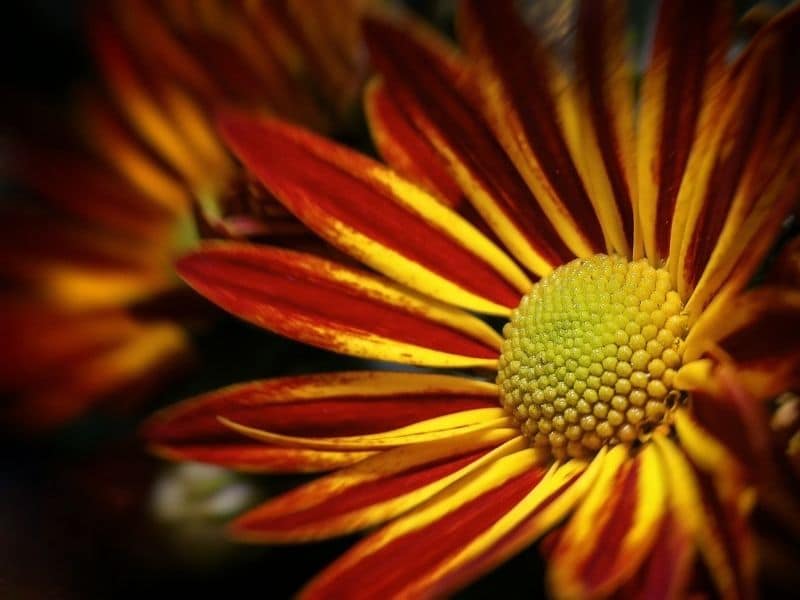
(91, 307)
(617, 237)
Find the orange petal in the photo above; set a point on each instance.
(136, 95)
(442, 104)
(56, 363)
(684, 76)
(336, 307)
(373, 491)
(84, 189)
(530, 107)
(373, 214)
(111, 138)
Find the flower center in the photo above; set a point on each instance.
(590, 355)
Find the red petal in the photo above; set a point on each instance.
(687, 62)
(406, 148)
(345, 197)
(396, 564)
(335, 307)
(370, 493)
(751, 179)
(605, 82)
(440, 100)
(523, 107)
(320, 405)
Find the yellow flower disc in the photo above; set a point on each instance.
(590, 355)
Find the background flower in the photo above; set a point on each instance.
(89, 294)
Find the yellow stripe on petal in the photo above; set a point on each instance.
(607, 141)
(251, 527)
(432, 429)
(450, 500)
(610, 534)
(385, 222)
(705, 451)
(426, 207)
(531, 114)
(338, 308)
(755, 332)
(546, 504)
(436, 113)
(410, 273)
(382, 383)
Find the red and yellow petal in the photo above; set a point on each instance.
(543, 507)
(111, 138)
(682, 86)
(254, 457)
(667, 570)
(415, 544)
(724, 539)
(78, 266)
(605, 91)
(436, 428)
(81, 188)
(403, 146)
(55, 363)
(138, 100)
(326, 304)
(442, 103)
(328, 32)
(613, 529)
(755, 331)
(531, 107)
(750, 180)
(375, 215)
(375, 490)
(147, 27)
(343, 404)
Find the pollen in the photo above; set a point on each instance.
(590, 355)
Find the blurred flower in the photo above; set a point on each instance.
(632, 376)
(192, 501)
(91, 308)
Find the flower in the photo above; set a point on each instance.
(625, 416)
(90, 298)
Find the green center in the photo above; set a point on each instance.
(590, 355)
